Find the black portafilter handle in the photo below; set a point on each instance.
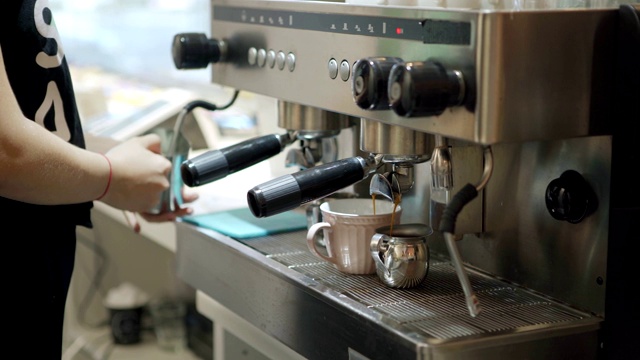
(292, 190)
(216, 164)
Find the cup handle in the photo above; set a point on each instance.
(375, 250)
(311, 243)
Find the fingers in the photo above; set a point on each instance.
(166, 167)
(132, 221)
(152, 142)
(188, 197)
(140, 175)
(167, 216)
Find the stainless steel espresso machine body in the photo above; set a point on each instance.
(543, 242)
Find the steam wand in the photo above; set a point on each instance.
(189, 107)
(447, 227)
(175, 153)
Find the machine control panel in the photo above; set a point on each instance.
(428, 31)
(463, 77)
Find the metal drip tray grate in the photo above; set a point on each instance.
(436, 308)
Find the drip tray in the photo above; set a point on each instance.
(329, 314)
(436, 308)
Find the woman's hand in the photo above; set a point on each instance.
(176, 213)
(165, 216)
(139, 174)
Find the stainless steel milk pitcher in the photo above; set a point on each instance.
(401, 254)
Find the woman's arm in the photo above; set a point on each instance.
(38, 167)
(99, 144)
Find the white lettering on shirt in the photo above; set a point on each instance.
(52, 98)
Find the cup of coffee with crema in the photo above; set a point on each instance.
(347, 226)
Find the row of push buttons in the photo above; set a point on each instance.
(262, 58)
(344, 69)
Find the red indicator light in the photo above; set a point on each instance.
(399, 31)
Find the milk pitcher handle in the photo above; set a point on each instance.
(376, 240)
(311, 243)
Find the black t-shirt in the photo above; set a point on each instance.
(37, 69)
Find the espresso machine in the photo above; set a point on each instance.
(521, 116)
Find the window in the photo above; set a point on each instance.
(131, 37)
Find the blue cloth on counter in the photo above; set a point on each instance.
(241, 224)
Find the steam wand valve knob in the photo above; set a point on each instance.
(369, 85)
(570, 197)
(196, 51)
(292, 190)
(424, 88)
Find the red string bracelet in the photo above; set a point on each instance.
(110, 176)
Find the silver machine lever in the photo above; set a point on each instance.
(453, 208)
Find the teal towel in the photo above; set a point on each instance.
(241, 224)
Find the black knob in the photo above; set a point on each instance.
(369, 84)
(424, 88)
(570, 197)
(195, 51)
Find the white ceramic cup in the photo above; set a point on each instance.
(348, 226)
